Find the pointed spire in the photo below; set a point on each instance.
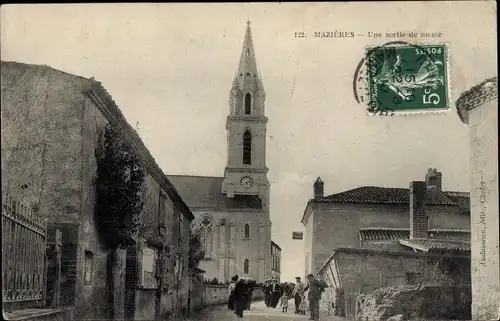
(248, 65)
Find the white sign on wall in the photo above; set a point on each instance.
(149, 257)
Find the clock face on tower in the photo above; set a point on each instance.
(246, 182)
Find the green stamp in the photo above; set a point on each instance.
(407, 78)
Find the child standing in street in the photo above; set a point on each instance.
(284, 302)
(304, 304)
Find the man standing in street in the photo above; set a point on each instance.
(297, 292)
(267, 293)
(316, 288)
(275, 292)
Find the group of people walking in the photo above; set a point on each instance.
(240, 295)
(273, 292)
(306, 295)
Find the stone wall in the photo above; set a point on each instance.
(366, 270)
(478, 107)
(361, 271)
(432, 302)
(215, 294)
(41, 128)
(387, 245)
(219, 295)
(332, 302)
(90, 299)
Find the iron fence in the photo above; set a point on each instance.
(24, 237)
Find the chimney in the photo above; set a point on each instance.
(419, 222)
(433, 178)
(318, 188)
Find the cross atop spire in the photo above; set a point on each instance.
(248, 65)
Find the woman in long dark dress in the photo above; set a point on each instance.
(240, 291)
(232, 296)
(275, 293)
(251, 284)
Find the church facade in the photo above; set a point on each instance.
(232, 211)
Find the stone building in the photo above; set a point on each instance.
(232, 211)
(372, 217)
(428, 260)
(478, 107)
(276, 261)
(53, 125)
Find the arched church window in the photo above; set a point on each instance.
(207, 237)
(245, 266)
(247, 231)
(247, 148)
(248, 74)
(248, 52)
(248, 104)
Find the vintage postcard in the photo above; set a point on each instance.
(254, 161)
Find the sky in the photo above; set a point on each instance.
(169, 67)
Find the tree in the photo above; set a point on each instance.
(196, 252)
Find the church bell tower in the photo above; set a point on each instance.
(246, 171)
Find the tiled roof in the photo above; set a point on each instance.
(433, 245)
(462, 199)
(383, 234)
(380, 234)
(386, 195)
(206, 192)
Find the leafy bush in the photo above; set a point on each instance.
(196, 252)
(214, 281)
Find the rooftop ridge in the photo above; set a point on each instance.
(187, 175)
(106, 104)
(386, 195)
(44, 66)
(437, 240)
(407, 229)
(457, 193)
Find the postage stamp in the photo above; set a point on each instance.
(405, 78)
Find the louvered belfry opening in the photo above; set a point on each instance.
(248, 104)
(247, 148)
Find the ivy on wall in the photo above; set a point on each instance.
(119, 197)
(196, 252)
